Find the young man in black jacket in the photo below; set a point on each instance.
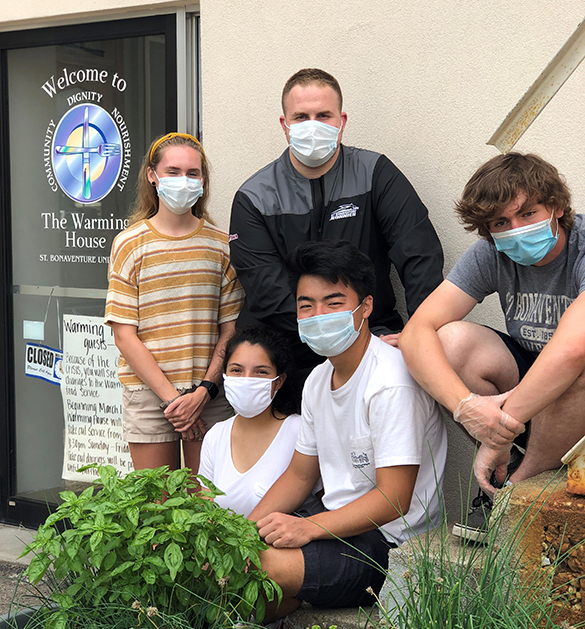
(320, 189)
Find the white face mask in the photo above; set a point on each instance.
(248, 396)
(313, 142)
(179, 194)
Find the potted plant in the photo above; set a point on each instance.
(148, 550)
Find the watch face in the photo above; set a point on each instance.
(211, 388)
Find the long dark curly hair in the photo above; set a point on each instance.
(288, 398)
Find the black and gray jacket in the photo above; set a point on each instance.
(364, 199)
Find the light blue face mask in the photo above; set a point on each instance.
(329, 334)
(529, 244)
(179, 194)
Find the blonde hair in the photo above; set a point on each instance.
(146, 203)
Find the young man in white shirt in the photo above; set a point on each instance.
(371, 432)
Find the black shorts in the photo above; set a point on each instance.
(523, 357)
(524, 360)
(338, 572)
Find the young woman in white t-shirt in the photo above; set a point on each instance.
(244, 455)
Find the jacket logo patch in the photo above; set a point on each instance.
(347, 210)
(233, 237)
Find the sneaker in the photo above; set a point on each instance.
(475, 526)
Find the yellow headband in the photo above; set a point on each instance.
(168, 136)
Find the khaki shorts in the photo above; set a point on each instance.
(144, 422)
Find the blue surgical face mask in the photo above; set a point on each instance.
(179, 194)
(329, 334)
(529, 244)
(313, 142)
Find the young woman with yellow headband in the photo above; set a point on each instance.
(173, 299)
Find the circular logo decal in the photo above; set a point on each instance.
(87, 153)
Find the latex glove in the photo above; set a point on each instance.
(489, 460)
(483, 418)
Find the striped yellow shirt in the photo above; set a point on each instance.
(176, 291)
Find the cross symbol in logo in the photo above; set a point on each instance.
(104, 149)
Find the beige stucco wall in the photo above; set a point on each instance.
(425, 81)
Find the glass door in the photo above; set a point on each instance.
(81, 106)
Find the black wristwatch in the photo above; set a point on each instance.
(211, 388)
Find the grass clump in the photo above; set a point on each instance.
(447, 584)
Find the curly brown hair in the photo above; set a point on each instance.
(305, 77)
(499, 181)
(146, 203)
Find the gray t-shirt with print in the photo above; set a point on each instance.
(533, 298)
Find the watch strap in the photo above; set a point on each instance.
(211, 387)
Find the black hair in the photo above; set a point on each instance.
(288, 398)
(333, 261)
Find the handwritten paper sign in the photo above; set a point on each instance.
(92, 399)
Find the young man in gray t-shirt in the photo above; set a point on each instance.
(532, 254)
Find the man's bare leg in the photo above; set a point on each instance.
(554, 431)
(287, 567)
(479, 357)
(484, 363)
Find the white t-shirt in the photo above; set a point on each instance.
(379, 418)
(244, 491)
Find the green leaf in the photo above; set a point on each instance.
(144, 536)
(201, 544)
(54, 517)
(72, 546)
(87, 467)
(57, 621)
(181, 516)
(99, 593)
(108, 476)
(121, 568)
(260, 609)
(73, 589)
(175, 502)
(37, 567)
(149, 576)
(173, 559)
(53, 547)
(228, 564)
(213, 490)
(109, 561)
(63, 599)
(97, 556)
(155, 560)
(176, 479)
(68, 496)
(133, 514)
(95, 539)
(199, 518)
(213, 612)
(251, 592)
(86, 494)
